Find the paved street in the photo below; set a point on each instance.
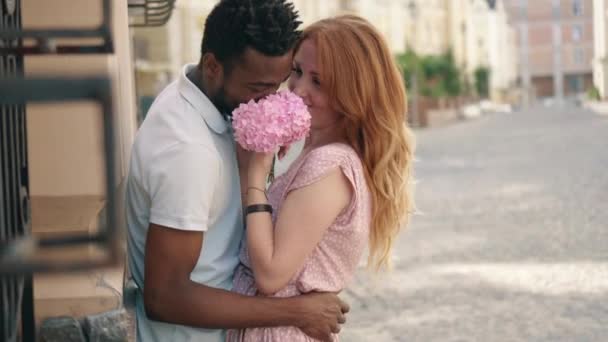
(511, 239)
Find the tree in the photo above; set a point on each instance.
(437, 76)
(409, 63)
(441, 75)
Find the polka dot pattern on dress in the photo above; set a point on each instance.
(333, 262)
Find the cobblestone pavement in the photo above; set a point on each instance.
(511, 242)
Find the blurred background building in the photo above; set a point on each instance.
(161, 51)
(600, 57)
(483, 40)
(555, 41)
(476, 36)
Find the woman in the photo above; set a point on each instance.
(349, 187)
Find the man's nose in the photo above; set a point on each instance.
(265, 94)
(300, 89)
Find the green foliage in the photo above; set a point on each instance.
(482, 81)
(437, 76)
(593, 94)
(410, 65)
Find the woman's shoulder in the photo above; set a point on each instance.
(334, 152)
(320, 161)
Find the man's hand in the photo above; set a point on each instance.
(323, 314)
(170, 295)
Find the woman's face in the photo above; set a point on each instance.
(305, 82)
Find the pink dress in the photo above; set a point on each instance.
(334, 261)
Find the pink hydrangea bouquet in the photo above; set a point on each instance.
(277, 120)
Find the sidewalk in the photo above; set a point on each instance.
(598, 107)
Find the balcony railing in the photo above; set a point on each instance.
(146, 13)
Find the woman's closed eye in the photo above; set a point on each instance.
(297, 71)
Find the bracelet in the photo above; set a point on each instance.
(256, 188)
(258, 208)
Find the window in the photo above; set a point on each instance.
(577, 7)
(577, 32)
(575, 83)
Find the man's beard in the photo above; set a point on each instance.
(222, 104)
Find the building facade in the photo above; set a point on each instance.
(477, 32)
(555, 39)
(427, 27)
(600, 37)
(481, 35)
(388, 16)
(161, 51)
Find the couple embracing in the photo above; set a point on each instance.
(219, 255)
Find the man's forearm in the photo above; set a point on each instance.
(206, 307)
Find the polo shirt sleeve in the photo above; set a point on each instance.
(181, 185)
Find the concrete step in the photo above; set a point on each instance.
(54, 216)
(75, 294)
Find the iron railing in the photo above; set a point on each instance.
(20, 256)
(45, 41)
(19, 251)
(16, 292)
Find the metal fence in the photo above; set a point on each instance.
(18, 249)
(16, 292)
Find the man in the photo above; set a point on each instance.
(184, 211)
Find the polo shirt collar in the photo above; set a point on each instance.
(201, 102)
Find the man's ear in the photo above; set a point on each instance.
(211, 66)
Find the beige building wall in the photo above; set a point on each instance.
(457, 30)
(65, 139)
(398, 30)
(160, 52)
(600, 58)
(377, 13)
(314, 10)
(468, 21)
(478, 50)
(513, 55)
(388, 16)
(502, 52)
(481, 36)
(428, 26)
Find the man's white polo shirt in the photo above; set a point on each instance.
(183, 175)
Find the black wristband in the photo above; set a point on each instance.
(258, 208)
